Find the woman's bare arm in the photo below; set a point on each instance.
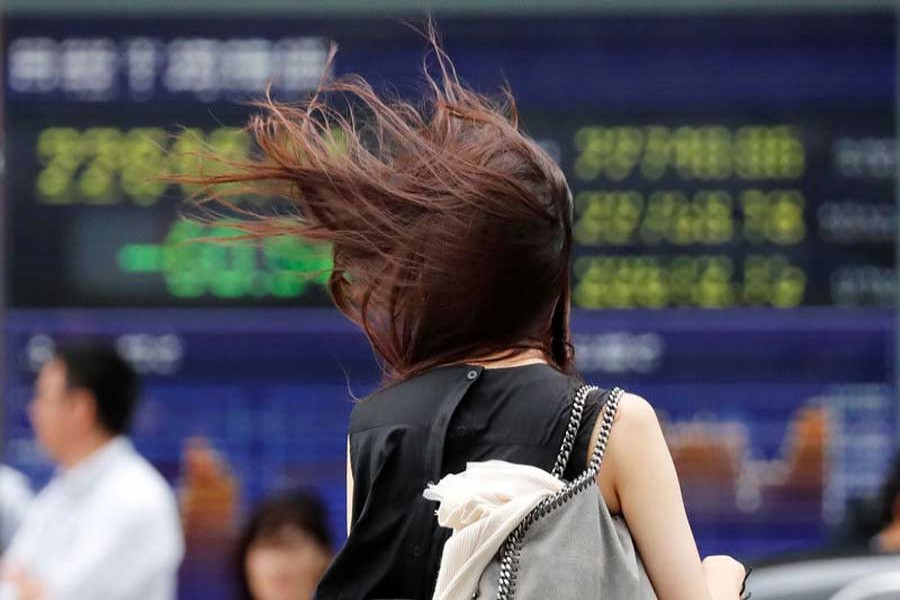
(638, 480)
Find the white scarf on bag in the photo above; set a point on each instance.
(482, 505)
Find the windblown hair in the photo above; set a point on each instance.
(450, 228)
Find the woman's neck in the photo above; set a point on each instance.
(500, 360)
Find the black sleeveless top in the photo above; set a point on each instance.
(415, 432)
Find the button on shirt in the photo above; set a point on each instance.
(107, 529)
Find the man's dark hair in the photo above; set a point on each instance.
(99, 369)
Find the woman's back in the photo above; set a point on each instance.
(413, 433)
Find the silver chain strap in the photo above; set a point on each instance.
(511, 552)
(572, 430)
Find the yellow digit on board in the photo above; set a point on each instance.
(103, 155)
(59, 149)
(144, 162)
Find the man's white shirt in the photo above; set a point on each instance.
(15, 498)
(107, 529)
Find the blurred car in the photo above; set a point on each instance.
(821, 579)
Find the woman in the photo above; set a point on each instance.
(284, 549)
(452, 235)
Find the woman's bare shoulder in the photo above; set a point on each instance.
(634, 426)
(635, 412)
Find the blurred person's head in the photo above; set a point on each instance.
(83, 397)
(284, 549)
(888, 539)
(450, 229)
(878, 515)
(890, 495)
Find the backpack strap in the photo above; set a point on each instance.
(574, 425)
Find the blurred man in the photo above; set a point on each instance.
(107, 526)
(15, 497)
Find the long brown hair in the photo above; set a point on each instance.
(450, 228)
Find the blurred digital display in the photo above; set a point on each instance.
(744, 163)
(749, 164)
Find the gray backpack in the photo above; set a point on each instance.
(570, 547)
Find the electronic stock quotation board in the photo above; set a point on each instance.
(733, 179)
